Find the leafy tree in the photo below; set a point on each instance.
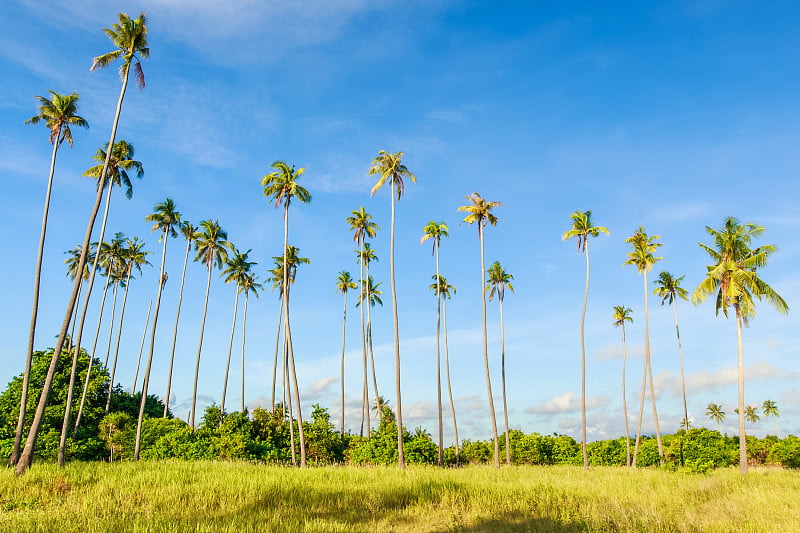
(770, 409)
(498, 280)
(622, 314)
(714, 412)
(344, 282)
(751, 415)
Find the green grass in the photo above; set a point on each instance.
(221, 496)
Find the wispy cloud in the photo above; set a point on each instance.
(722, 377)
(567, 402)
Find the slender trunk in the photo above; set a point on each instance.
(583, 360)
(624, 400)
(742, 435)
(277, 341)
(438, 364)
(230, 351)
(503, 374)
(37, 278)
(74, 320)
(200, 346)
(108, 346)
(162, 280)
(650, 372)
(119, 336)
(175, 334)
(141, 348)
(641, 414)
(287, 398)
(100, 321)
(344, 323)
(486, 355)
(369, 341)
(244, 333)
(680, 355)
(449, 389)
(362, 287)
(401, 462)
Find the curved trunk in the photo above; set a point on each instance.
(277, 341)
(287, 398)
(742, 435)
(680, 355)
(200, 346)
(400, 457)
(344, 323)
(503, 374)
(31, 336)
(73, 322)
(486, 354)
(438, 364)
(175, 333)
(146, 380)
(650, 371)
(141, 348)
(119, 336)
(108, 346)
(361, 288)
(230, 351)
(449, 389)
(244, 332)
(624, 400)
(641, 413)
(583, 360)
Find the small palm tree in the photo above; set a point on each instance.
(497, 281)
(734, 277)
(583, 228)
(344, 282)
(479, 212)
(443, 290)
(770, 409)
(248, 285)
(668, 288)
(641, 256)
(714, 412)
(390, 168)
(621, 315)
(752, 416)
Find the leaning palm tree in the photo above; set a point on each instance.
(344, 282)
(281, 186)
(58, 113)
(164, 218)
(211, 245)
(188, 231)
(442, 290)
(479, 211)
(583, 228)
(390, 167)
(668, 288)
(641, 256)
(130, 39)
(498, 280)
(248, 285)
(714, 412)
(622, 314)
(770, 409)
(734, 277)
(435, 231)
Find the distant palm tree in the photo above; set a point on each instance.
(212, 248)
(116, 267)
(621, 315)
(248, 285)
(365, 257)
(734, 277)
(770, 409)
(281, 186)
(583, 228)
(188, 231)
(641, 256)
(752, 416)
(668, 288)
(372, 295)
(344, 282)
(442, 289)
(480, 212)
(497, 281)
(72, 265)
(714, 412)
(58, 113)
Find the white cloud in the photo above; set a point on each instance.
(567, 402)
(614, 351)
(722, 377)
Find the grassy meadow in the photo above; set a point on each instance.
(239, 496)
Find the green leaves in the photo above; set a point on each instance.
(582, 228)
(281, 185)
(390, 167)
(130, 39)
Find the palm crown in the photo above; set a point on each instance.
(344, 282)
(770, 408)
(479, 211)
(118, 166)
(165, 217)
(441, 288)
(390, 167)
(669, 287)
(370, 292)
(714, 412)
(73, 260)
(497, 281)
(583, 228)
(622, 314)
(58, 114)
(366, 256)
(644, 246)
(130, 39)
(211, 244)
(292, 260)
(434, 230)
(112, 256)
(249, 284)
(361, 224)
(237, 267)
(135, 254)
(281, 185)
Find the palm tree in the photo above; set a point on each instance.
(751, 415)
(498, 280)
(622, 314)
(735, 278)
(130, 38)
(770, 409)
(115, 267)
(188, 231)
(72, 265)
(367, 256)
(435, 231)
(141, 347)
(480, 212)
(442, 289)
(714, 412)
(237, 269)
(211, 245)
(58, 113)
(281, 186)
(583, 228)
(344, 282)
(668, 288)
(390, 167)
(276, 278)
(248, 285)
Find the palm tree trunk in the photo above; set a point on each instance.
(175, 333)
(742, 434)
(401, 463)
(244, 332)
(287, 398)
(583, 360)
(641, 414)
(503, 374)
(230, 351)
(277, 341)
(111, 326)
(362, 286)
(37, 277)
(680, 355)
(119, 336)
(624, 400)
(141, 348)
(344, 323)
(369, 343)
(449, 389)
(650, 371)
(486, 354)
(438, 363)
(162, 280)
(200, 346)
(74, 320)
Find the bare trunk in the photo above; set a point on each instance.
(108, 346)
(650, 371)
(141, 348)
(641, 414)
(344, 323)
(362, 287)
(230, 351)
(175, 334)
(119, 336)
(680, 355)
(742, 434)
(400, 457)
(244, 333)
(486, 354)
(583, 361)
(438, 364)
(624, 400)
(503, 375)
(277, 341)
(449, 389)
(200, 346)
(287, 396)
(369, 342)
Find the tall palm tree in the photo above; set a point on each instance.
(248, 285)
(752, 416)
(58, 113)
(498, 280)
(130, 39)
(116, 267)
(188, 231)
(442, 290)
(390, 167)
(371, 294)
(237, 269)
(211, 245)
(770, 409)
(435, 231)
(734, 277)
(583, 228)
(641, 256)
(622, 314)
(668, 288)
(479, 211)
(276, 278)
(714, 412)
(366, 257)
(281, 186)
(344, 282)
(164, 218)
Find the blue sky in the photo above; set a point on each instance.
(670, 116)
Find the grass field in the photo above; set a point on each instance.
(220, 496)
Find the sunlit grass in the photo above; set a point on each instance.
(220, 496)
